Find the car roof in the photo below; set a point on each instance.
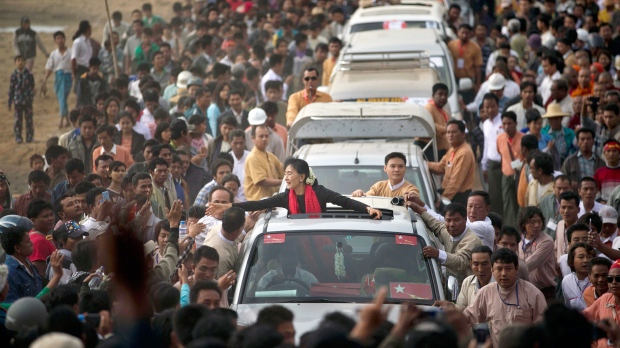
(421, 10)
(395, 40)
(351, 85)
(368, 153)
(400, 224)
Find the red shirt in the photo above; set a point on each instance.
(41, 247)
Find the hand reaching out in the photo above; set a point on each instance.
(227, 280)
(196, 228)
(174, 215)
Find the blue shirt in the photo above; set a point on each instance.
(60, 190)
(22, 283)
(179, 189)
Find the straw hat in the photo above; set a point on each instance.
(554, 110)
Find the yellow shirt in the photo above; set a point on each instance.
(328, 66)
(298, 100)
(383, 189)
(457, 167)
(259, 166)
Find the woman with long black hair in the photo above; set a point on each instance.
(303, 195)
(81, 52)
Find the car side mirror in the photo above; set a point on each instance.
(465, 84)
(453, 288)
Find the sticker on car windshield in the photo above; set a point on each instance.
(394, 25)
(412, 100)
(411, 291)
(406, 240)
(276, 238)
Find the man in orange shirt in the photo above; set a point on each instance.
(585, 84)
(509, 148)
(436, 107)
(119, 153)
(467, 56)
(334, 47)
(308, 95)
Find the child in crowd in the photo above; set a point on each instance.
(37, 162)
(21, 95)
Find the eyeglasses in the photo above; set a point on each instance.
(610, 279)
(310, 78)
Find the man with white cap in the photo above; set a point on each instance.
(258, 117)
(495, 85)
(606, 240)
(179, 87)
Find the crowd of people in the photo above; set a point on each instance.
(113, 244)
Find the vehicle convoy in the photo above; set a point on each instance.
(320, 263)
(395, 66)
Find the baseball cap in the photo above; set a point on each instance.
(582, 35)
(179, 125)
(25, 313)
(15, 220)
(496, 82)
(194, 81)
(70, 229)
(183, 78)
(609, 215)
(149, 247)
(25, 19)
(257, 116)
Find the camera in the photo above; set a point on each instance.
(400, 200)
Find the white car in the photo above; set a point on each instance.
(336, 262)
(413, 14)
(398, 64)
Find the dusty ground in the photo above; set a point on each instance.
(67, 13)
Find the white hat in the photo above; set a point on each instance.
(182, 79)
(257, 116)
(496, 82)
(582, 35)
(609, 215)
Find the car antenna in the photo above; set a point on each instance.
(357, 160)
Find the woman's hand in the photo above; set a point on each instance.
(174, 215)
(215, 209)
(183, 275)
(374, 212)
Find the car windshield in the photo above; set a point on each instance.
(356, 28)
(346, 179)
(339, 266)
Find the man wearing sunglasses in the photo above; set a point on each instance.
(308, 95)
(606, 306)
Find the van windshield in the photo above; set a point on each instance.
(339, 266)
(346, 179)
(381, 25)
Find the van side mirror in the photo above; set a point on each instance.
(465, 84)
(453, 289)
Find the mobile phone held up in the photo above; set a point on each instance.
(105, 195)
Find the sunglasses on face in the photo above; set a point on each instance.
(310, 78)
(611, 279)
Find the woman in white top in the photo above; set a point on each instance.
(574, 284)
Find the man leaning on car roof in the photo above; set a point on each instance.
(396, 185)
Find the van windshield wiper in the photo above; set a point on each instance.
(313, 300)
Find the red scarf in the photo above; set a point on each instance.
(312, 203)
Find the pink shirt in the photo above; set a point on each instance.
(502, 312)
(540, 259)
(604, 307)
(41, 247)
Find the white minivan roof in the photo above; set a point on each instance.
(361, 121)
(407, 39)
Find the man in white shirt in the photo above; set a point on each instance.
(219, 194)
(481, 267)
(59, 63)
(118, 26)
(550, 68)
(587, 193)
(130, 46)
(491, 159)
(478, 206)
(559, 95)
(276, 66)
(240, 154)
(95, 222)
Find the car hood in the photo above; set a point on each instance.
(307, 315)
